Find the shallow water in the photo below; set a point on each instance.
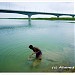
(54, 38)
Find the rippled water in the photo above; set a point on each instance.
(54, 38)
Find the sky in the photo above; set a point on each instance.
(52, 7)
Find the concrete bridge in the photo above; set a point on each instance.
(34, 13)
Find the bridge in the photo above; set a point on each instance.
(29, 13)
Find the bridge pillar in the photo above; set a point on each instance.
(72, 16)
(29, 19)
(57, 16)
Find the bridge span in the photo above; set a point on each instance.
(29, 13)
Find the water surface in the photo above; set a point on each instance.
(54, 38)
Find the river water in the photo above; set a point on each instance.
(54, 38)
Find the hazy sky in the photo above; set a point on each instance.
(52, 7)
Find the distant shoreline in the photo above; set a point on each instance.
(53, 18)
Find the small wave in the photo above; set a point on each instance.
(71, 22)
(51, 60)
(12, 27)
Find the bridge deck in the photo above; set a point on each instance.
(32, 13)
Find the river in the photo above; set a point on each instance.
(54, 38)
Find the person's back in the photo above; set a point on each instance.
(36, 51)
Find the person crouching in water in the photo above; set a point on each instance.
(36, 51)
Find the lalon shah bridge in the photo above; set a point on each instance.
(29, 13)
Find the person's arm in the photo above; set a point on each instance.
(32, 54)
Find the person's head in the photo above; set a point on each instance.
(30, 46)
